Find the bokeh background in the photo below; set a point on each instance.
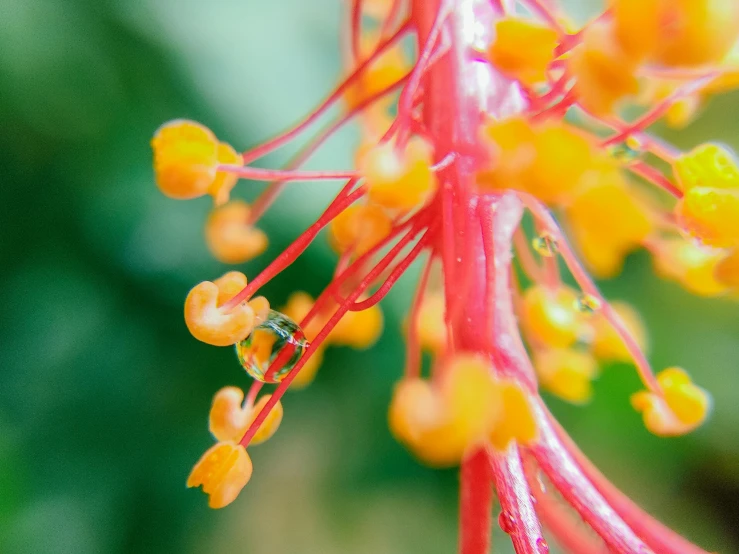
(104, 395)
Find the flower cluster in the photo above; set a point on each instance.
(496, 116)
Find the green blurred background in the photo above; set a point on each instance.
(104, 395)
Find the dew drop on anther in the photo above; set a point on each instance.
(545, 244)
(587, 304)
(507, 522)
(277, 337)
(626, 151)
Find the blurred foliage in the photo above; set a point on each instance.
(104, 395)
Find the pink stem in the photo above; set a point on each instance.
(259, 174)
(518, 517)
(356, 33)
(659, 537)
(656, 178)
(562, 470)
(475, 503)
(568, 531)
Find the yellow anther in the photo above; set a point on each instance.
(439, 424)
(566, 373)
(228, 419)
(230, 237)
(711, 215)
(185, 159)
(358, 329)
(708, 165)
(517, 422)
(689, 263)
(359, 228)
(548, 160)
(727, 270)
(398, 180)
(270, 425)
(607, 221)
(388, 68)
(523, 50)
(604, 73)
(677, 32)
(607, 343)
(209, 323)
(549, 317)
(430, 325)
(220, 188)
(682, 407)
(222, 471)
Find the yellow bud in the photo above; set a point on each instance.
(677, 32)
(548, 160)
(711, 215)
(727, 270)
(430, 326)
(222, 471)
(359, 227)
(271, 423)
(358, 329)
(440, 424)
(308, 372)
(691, 264)
(185, 159)
(607, 221)
(708, 165)
(607, 344)
(566, 373)
(549, 317)
(209, 323)
(517, 422)
(522, 49)
(398, 180)
(230, 237)
(604, 73)
(682, 408)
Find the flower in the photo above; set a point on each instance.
(456, 147)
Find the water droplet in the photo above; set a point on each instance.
(545, 245)
(507, 522)
(541, 546)
(626, 151)
(541, 481)
(587, 303)
(276, 336)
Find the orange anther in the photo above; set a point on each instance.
(359, 228)
(209, 323)
(222, 471)
(230, 236)
(398, 180)
(185, 159)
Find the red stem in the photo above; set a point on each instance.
(475, 503)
